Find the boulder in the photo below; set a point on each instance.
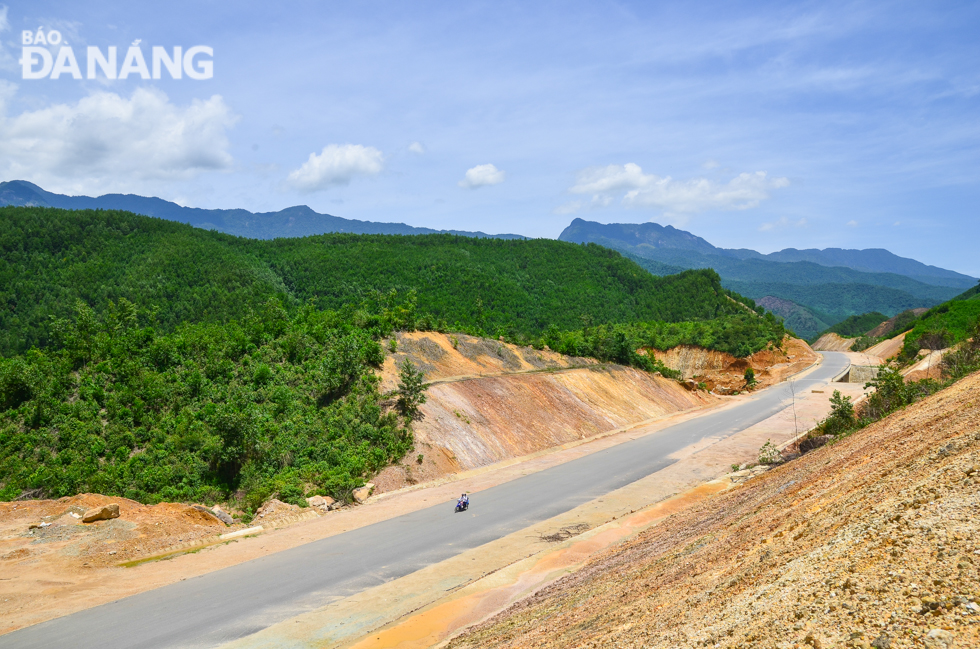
(276, 509)
(103, 513)
(362, 494)
(216, 512)
(222, 515)
(321, 503)
(811, 443)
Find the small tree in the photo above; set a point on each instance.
(411, 390)
(750, 377)
(841, 418)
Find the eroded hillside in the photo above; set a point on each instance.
(720, 370)
(869, 542)
(490, 401)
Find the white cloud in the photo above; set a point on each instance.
(106, 142)
(481, 175)
(598, 201)
(570, 207)
(642, 190)
(710, 164)
(781, 224)
(336, 165)
(417, 147)
(852, 224)
(4, 23)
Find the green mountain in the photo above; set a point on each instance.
(800, 319)
(827, 286)
(942, 326)
(50, 259)
(297, 221)
(857, 325)
(654, 241)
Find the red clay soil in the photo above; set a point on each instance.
(873, 541)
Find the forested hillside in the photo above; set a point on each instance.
(152, 360)
(271, 404)
(857, 325)
(51, 258)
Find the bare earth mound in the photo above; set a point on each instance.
(721, 370)
(873, 541)
(490, 401)
(833, 343)
(887, 348)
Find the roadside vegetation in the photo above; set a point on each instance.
(892, 392)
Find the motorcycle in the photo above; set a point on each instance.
(462, 505)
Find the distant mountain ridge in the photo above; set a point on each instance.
(297, 221)
(812, 289)
(667, 244)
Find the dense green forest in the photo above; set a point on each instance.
(739, 335)
(857, 325)
(270, 404)
(51, 258)
(837, 301)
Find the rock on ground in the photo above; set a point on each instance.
(362, 494)
(103, 513)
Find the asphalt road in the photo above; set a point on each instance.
(228, 604)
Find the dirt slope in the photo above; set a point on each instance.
(832, 342)
(491, 401)
(873, 541)
(718, 369)
(887, 348)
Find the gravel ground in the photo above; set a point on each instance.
(869, 542)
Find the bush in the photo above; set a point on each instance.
(841, 419)
(769, 454)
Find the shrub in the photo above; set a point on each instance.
(769, 454)
(841, 418)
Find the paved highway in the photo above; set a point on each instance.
(228, 604)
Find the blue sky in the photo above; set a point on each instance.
(751, 124)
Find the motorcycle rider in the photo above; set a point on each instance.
(464, 500)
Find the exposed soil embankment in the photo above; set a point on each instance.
(869, 542)
(721, 370)
(887, 348)
(490, 401)
(833, 343)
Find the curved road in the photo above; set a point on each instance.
(228, 604)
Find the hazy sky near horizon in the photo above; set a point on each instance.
(751, 124)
